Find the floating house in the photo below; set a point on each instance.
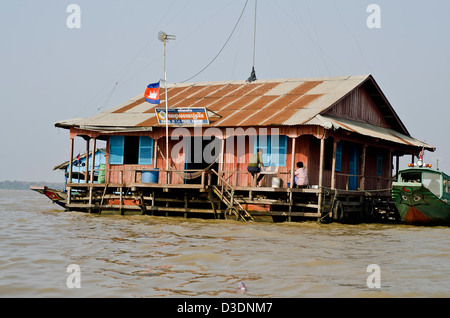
(343, 129)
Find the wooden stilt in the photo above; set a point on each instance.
(333, 166)
(86, 171)
(92, 172)
(321, 166)
(363, 168)
(68, 189)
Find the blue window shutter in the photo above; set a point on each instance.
(263, 142)
(278, 150)
(379, 163)
(116, 148)
(145, 150)
(338, 157)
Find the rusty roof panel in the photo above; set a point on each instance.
(187, 92)
(303, 101)
(225, 90)
(255, 119)
(241, 102)
(304, 88)
(261, 102)
(206, 91)
(210, 103)
(153, 121)
(279, 117)
(283, 101)
(171, 91)
(262, 89)
(129, 106)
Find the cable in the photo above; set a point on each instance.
(223, 47)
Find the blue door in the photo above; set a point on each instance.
(353, 182)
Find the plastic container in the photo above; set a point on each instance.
(276, 182)
(151, 176)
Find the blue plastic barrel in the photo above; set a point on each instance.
(151, 176)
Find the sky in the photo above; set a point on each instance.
(57, 64)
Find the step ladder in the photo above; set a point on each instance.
(233, 207)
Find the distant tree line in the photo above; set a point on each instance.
(25, 185)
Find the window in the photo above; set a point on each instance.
(116, 147)
(379, 163)
(274, 149)
(130, 150)
(432, 181)
(411, 177)
(338, 157)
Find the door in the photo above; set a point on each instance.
(353, 182)
(201, 153)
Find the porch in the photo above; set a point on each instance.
(214, 197)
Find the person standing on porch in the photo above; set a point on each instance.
(254, 165)
(301, 176)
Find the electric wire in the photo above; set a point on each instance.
(223, 47)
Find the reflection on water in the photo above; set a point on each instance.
(145, 256)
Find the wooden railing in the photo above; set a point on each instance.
(129, 176)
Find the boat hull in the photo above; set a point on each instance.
(57, 196)
(418, 205)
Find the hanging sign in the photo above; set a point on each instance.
(183, 116)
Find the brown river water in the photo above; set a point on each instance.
(146, 256)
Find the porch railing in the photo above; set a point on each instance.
(129, 176)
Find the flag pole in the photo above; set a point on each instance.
(163, 37)
(167, 117)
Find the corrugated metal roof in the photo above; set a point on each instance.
(280, 102)
(366, 129)
(296, 101)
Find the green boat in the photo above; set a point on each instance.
(422, 195)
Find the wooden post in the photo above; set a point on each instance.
(397, 162)
(94, 144)
(94, 141)
(333, 166)
(321, 165)
(363, 168)
(293, 162)
(389, 183)
(322, 160)
(86, 171)
(221, 161)
(69, 188)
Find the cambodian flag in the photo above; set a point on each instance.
(152, 93)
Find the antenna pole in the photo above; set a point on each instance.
(254, 35)
(252, 77)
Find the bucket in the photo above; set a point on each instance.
(150, 176)
(276, 182)
(101, 173)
